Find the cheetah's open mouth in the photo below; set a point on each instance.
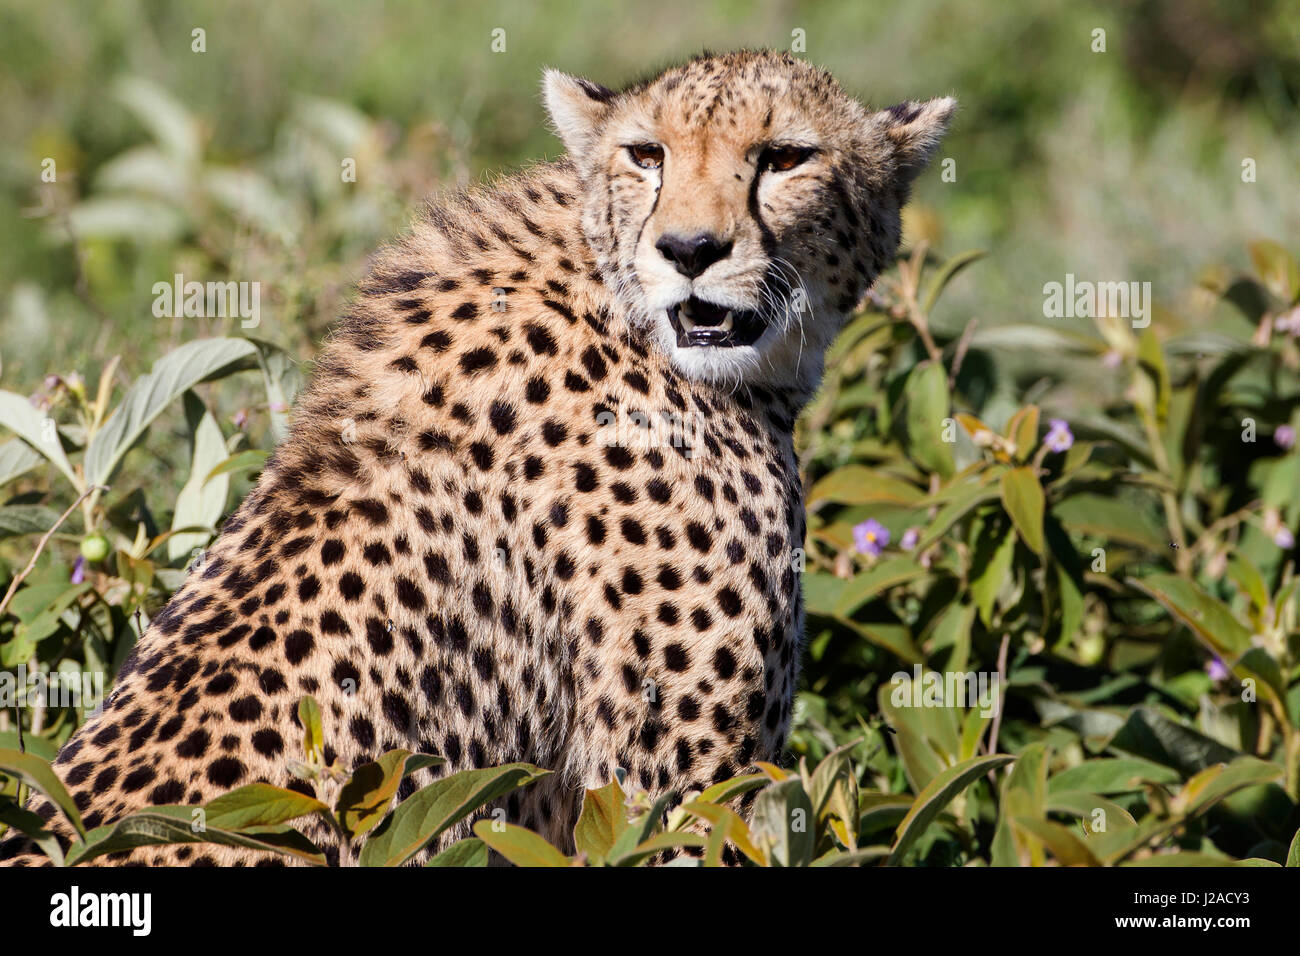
(697, 322)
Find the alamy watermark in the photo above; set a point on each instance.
(1089, 300)
(645, 430)
(967, 689)
(82, 689)
(212, 300)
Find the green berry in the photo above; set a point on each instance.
(94, 547)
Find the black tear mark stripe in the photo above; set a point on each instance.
(766, 236)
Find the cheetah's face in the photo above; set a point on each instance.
(740, 206)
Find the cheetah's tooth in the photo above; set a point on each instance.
(687, 324)
(727, 322)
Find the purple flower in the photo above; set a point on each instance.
(79, 570)
(1284, 436)
(910, 538)
(1284, 539)
(1216, 669)
(1058, 437)
(870, 537)
(240, 419)
(1288, 322)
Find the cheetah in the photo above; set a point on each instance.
(540, 500)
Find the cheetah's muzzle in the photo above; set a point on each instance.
(698, 323)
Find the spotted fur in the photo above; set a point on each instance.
(480, 540)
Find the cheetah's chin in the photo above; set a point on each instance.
(699, 324)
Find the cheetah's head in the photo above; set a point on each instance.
(741, 205)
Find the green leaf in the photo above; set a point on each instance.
(1023, 431)
(282, 380)
(876, 580)
(200, 503)
(31, 825)
(1022, 496)
(926, 396)
(602, 821)
(520, 846)
(172, 375)
(822, 592)
(137, 219)
(1209, 618)
(39, 775)
(1195, 859)
(644, 826)
(1024, 797)
(1067, 848)
(731, 788)
(313, 737)
(1039, 338)
(18, 520)
(259, 805)
(1152, 362)
(937, 795)
(1215, 783)
(947, 272)
(1083, 805)
(1150, 734)
(168, 122)
(861, 857)
(36, 428)
(166, 825)
(423, 816)
(1111, 775)
(959, 502)
(1249, 581)
(364, 800)
(657, 844)
(1112, 520)
(248, 460)
(833, 766)
(17, 458)
(973, 727)
(1259, 665)
(1293, 854)
(38, 620)
(991, 561)
(727, 826)
(470, 851)
(860, 485)
(1276, 268)
(927, 738)
(783, 824)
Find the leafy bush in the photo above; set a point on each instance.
(1078, 628)
(1123, 579)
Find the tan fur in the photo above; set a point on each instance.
(480, 541)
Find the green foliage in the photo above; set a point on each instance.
(1121, 578)
(1122, 581)
(79, 611)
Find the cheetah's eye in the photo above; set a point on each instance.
(647, 155)
(781, 158)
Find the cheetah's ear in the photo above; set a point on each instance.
(576, 106)
(915, 130)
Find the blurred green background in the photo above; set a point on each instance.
(1123, 164)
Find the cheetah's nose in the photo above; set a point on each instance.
(692, 256)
